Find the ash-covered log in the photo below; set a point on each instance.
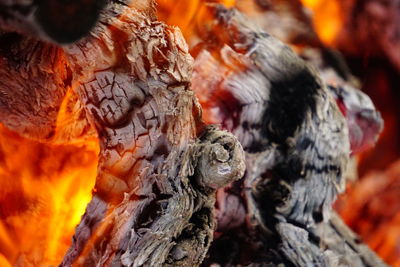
(297, 145)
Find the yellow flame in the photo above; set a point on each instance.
(186, 14)
(327, 18)
(44, 190)
(3, 261)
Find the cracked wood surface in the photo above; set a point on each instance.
(34, 79)
(159, 165)
(153, 200)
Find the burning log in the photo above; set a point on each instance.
(33, 82)
(153, 202)
(160, 165)
(262, 78)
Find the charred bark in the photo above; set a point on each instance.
(36, 95)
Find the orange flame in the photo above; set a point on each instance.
(186, 14)
(327, 18)
(371, 208)
(44, 190)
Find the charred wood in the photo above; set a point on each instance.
(159, 164)
(297, 145)
(34, 78)
(153, 201)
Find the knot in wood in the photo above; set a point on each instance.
(221, 160)
(219, 153)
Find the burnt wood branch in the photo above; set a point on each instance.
(280, 106)
(34, 79)
(291, 22)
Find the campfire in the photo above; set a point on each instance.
(213, 133)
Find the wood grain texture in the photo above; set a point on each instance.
(297, 147)
(34, 78)
(153, 201)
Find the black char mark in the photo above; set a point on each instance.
(290, 100)
(68, 21)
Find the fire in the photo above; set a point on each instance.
(44, 191)
(362, 209)
(45, 187)
(327, 18)
(186, 14)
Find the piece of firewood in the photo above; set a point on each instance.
(36, 98)
(277, 104)
(154, 195)
(159, 164)
(34, 78)
(297, 146)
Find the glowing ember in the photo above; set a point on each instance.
(371, 208)
(44, 191)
